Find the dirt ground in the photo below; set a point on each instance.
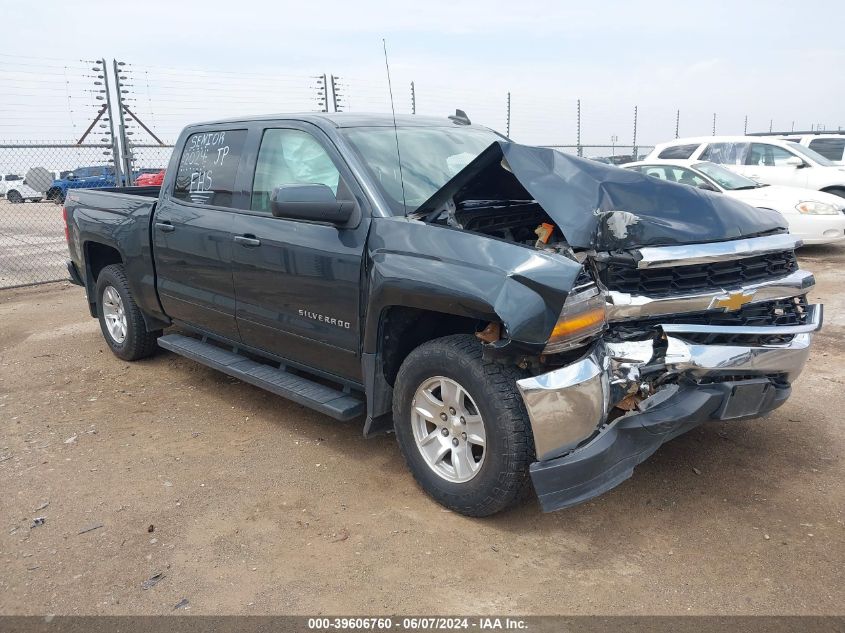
(260, 506)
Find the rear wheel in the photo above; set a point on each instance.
(462, 426)
(121, 321)
(14, 197)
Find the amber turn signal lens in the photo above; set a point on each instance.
(578, 323)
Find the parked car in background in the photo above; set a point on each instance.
(150, 179)
(8, 179)
(619, 159)
(831, 145)
(22, 192)
(814, 216)
(81, 178)
(768, 160)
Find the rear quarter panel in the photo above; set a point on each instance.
(120, 221)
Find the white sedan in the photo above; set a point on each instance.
(814, 216)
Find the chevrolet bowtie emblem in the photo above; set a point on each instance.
(732, 300)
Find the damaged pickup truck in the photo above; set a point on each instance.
(514, 314)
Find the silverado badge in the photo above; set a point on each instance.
(733, 300)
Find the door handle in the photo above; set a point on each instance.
(247, 241)
(165, 227)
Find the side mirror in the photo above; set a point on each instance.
(312, 202)
(708, 187)
(795, 162)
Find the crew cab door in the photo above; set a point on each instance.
(192, 233)
(298, 283)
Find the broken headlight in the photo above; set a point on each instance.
(584, 315)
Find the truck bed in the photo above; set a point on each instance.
(116, 220)
(82, 195)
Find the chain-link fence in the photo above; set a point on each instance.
(35, 179)
(610, 154)
(124, 117)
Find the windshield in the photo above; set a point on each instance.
(812, 155)
(725, 177)
(430, 157)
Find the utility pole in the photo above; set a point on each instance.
(745, 127)
(115, 146)
(508, 124)
(335, 89)
(578, 137)
(413, 99)
(613, 141)
(677, 122)
(124, 139)
(322, 92)
(714, 124)
(636, 149)
(770, 125)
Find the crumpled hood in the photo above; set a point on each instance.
(600, 206)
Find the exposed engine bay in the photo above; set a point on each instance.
(519, 221)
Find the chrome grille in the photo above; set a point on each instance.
(681, 280)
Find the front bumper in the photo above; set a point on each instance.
(582, 455)
(817, 229)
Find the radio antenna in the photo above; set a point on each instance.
(395, 129)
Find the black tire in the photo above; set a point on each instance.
(35, 200)
(138, 342)
(509, 447)
(14, 197)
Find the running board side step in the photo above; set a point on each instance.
(333, 402)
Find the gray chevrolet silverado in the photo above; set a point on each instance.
(515, 315)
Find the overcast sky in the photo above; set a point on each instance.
(197, 60)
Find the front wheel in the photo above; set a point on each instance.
(14, 197)
(120, 318)
(462, 426)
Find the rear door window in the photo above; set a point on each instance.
(725, 153)
(208, 167)
(678, 151)
(832, 148)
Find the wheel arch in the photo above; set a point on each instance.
(400, 330)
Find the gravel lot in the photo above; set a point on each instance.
(249, 504)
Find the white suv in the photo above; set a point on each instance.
(768, 160)
(830, 145)
(15, 189)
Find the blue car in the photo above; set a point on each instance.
(81, 178)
